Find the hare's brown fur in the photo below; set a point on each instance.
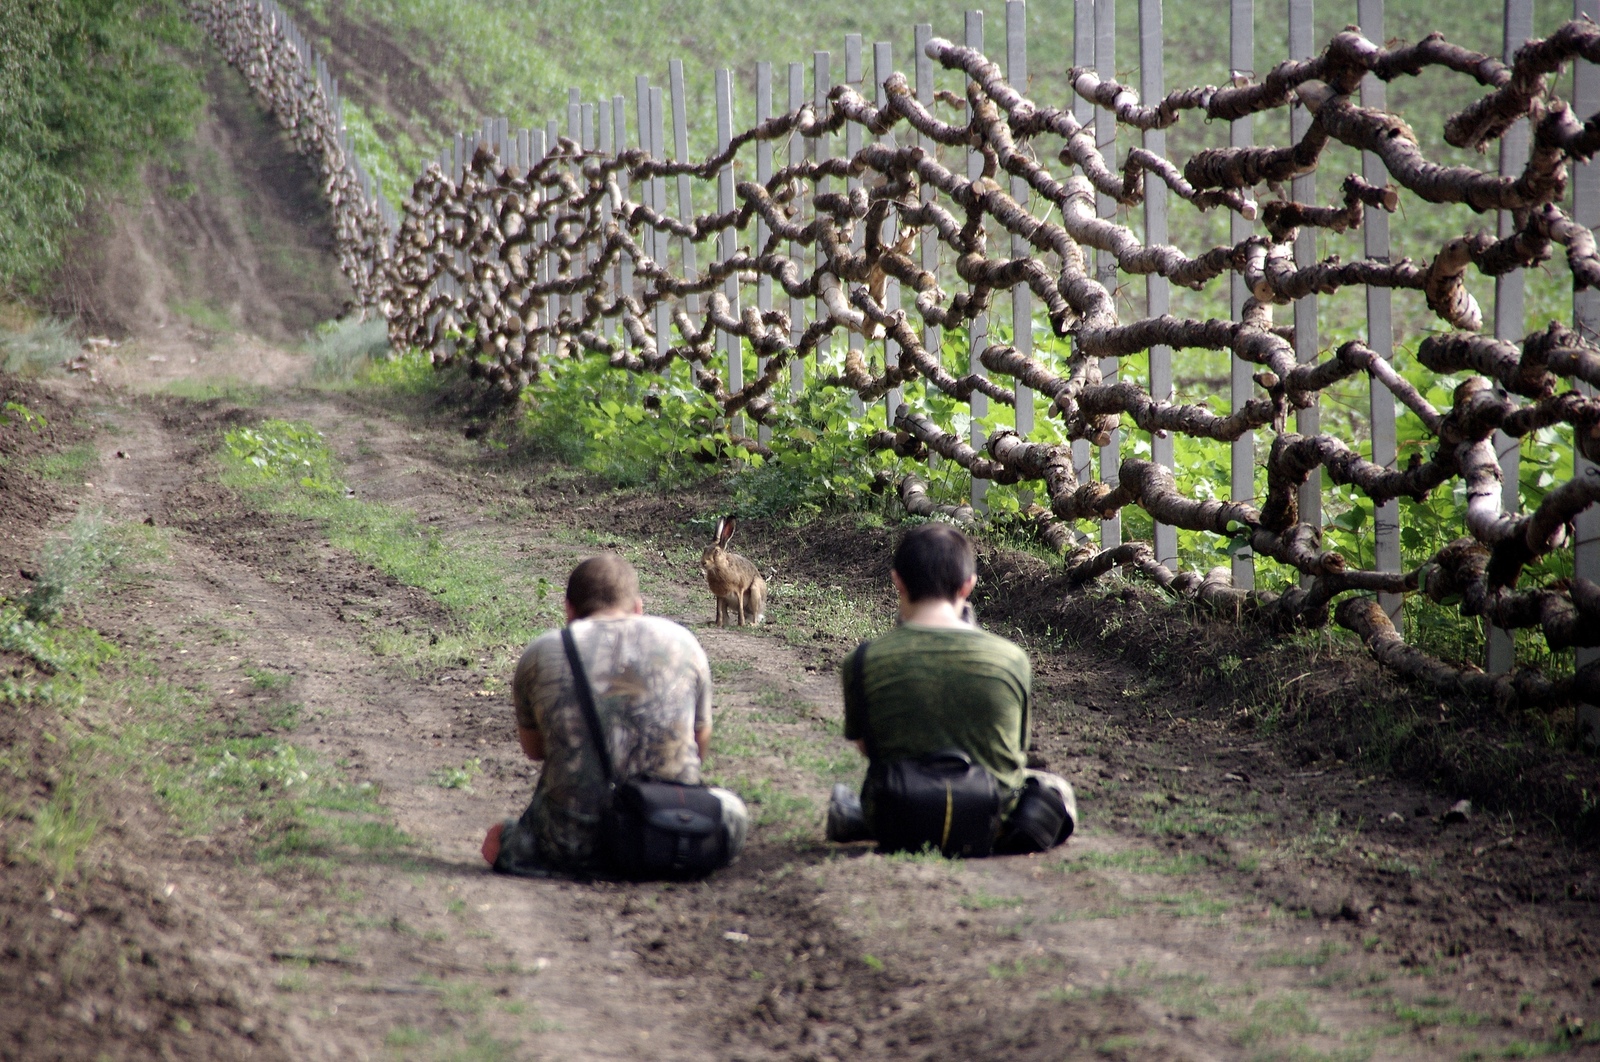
(735, 582)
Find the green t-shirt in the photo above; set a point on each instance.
(933, 688)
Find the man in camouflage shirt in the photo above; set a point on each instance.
(652, 691)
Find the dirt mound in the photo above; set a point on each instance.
(230, 234)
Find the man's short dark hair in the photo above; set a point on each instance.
(934, 561)
(602, 582)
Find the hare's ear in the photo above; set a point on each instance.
(727, 530)
(722, 521)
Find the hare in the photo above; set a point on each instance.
(734, 581)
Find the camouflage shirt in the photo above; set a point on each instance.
(652, 690)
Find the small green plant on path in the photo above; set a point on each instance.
(18, 412)
(79, 558)
(72, 465)
(267, 681)
(457, 777)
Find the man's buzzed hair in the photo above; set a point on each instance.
(602, 582)
(934, 561)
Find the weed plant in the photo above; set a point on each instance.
(71, 466)
(78, 559)
(663, 430)
(43, 345)
(408, 373)
(340, 350)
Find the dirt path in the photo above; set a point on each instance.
(1218, 904)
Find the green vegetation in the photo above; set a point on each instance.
(81, 556)
(341, 349)
(458, 777)
(42, 345)
(1317, 956)
(18, 412)
(72, 465)
(299, 810)
(1179, 816)
(210, 389)
(407, 373)
(89, 90)
(1136, 860)
(982, 901)
(287, 467)
(112, 715)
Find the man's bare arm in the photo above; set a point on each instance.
(702, 740)
(532, 742)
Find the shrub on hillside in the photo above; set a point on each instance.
(88, 91)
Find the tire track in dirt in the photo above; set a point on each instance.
(272, 594)
(1017, 958)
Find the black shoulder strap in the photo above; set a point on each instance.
(858, 691)
(580, 683)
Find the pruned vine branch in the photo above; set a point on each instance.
(510, 270)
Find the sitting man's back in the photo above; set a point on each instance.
(652, 693)
(934, 688)
(937, 683)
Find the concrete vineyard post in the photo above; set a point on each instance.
(1021, 294)
(927, 245)
(763, 175)
(603, 143)
(1157, 288)
(882, 67)
(552, 132)
(728, 239)
(1105, 139)
(543, 274)
(1083, 111)
(1380, 328)
(854, 72)
(587, 129)
(1303, 45)
(619, 142)
(680, 153)
(1241, 377)
(821, 84)
(658, 150)
(1509, 318)
(647, 235)
(797, 305)
(1586, 321)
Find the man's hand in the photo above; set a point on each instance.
(532, 742)
(491, 843)
(702, 741)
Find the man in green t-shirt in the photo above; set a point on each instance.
(938, 682)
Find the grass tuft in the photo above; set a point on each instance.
(344, 349)
(43, 345)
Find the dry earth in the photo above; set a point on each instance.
(1246, 884)
(1220, 902)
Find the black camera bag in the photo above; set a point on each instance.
(941, 800)
(650, 829)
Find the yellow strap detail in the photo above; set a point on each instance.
(949, 813)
